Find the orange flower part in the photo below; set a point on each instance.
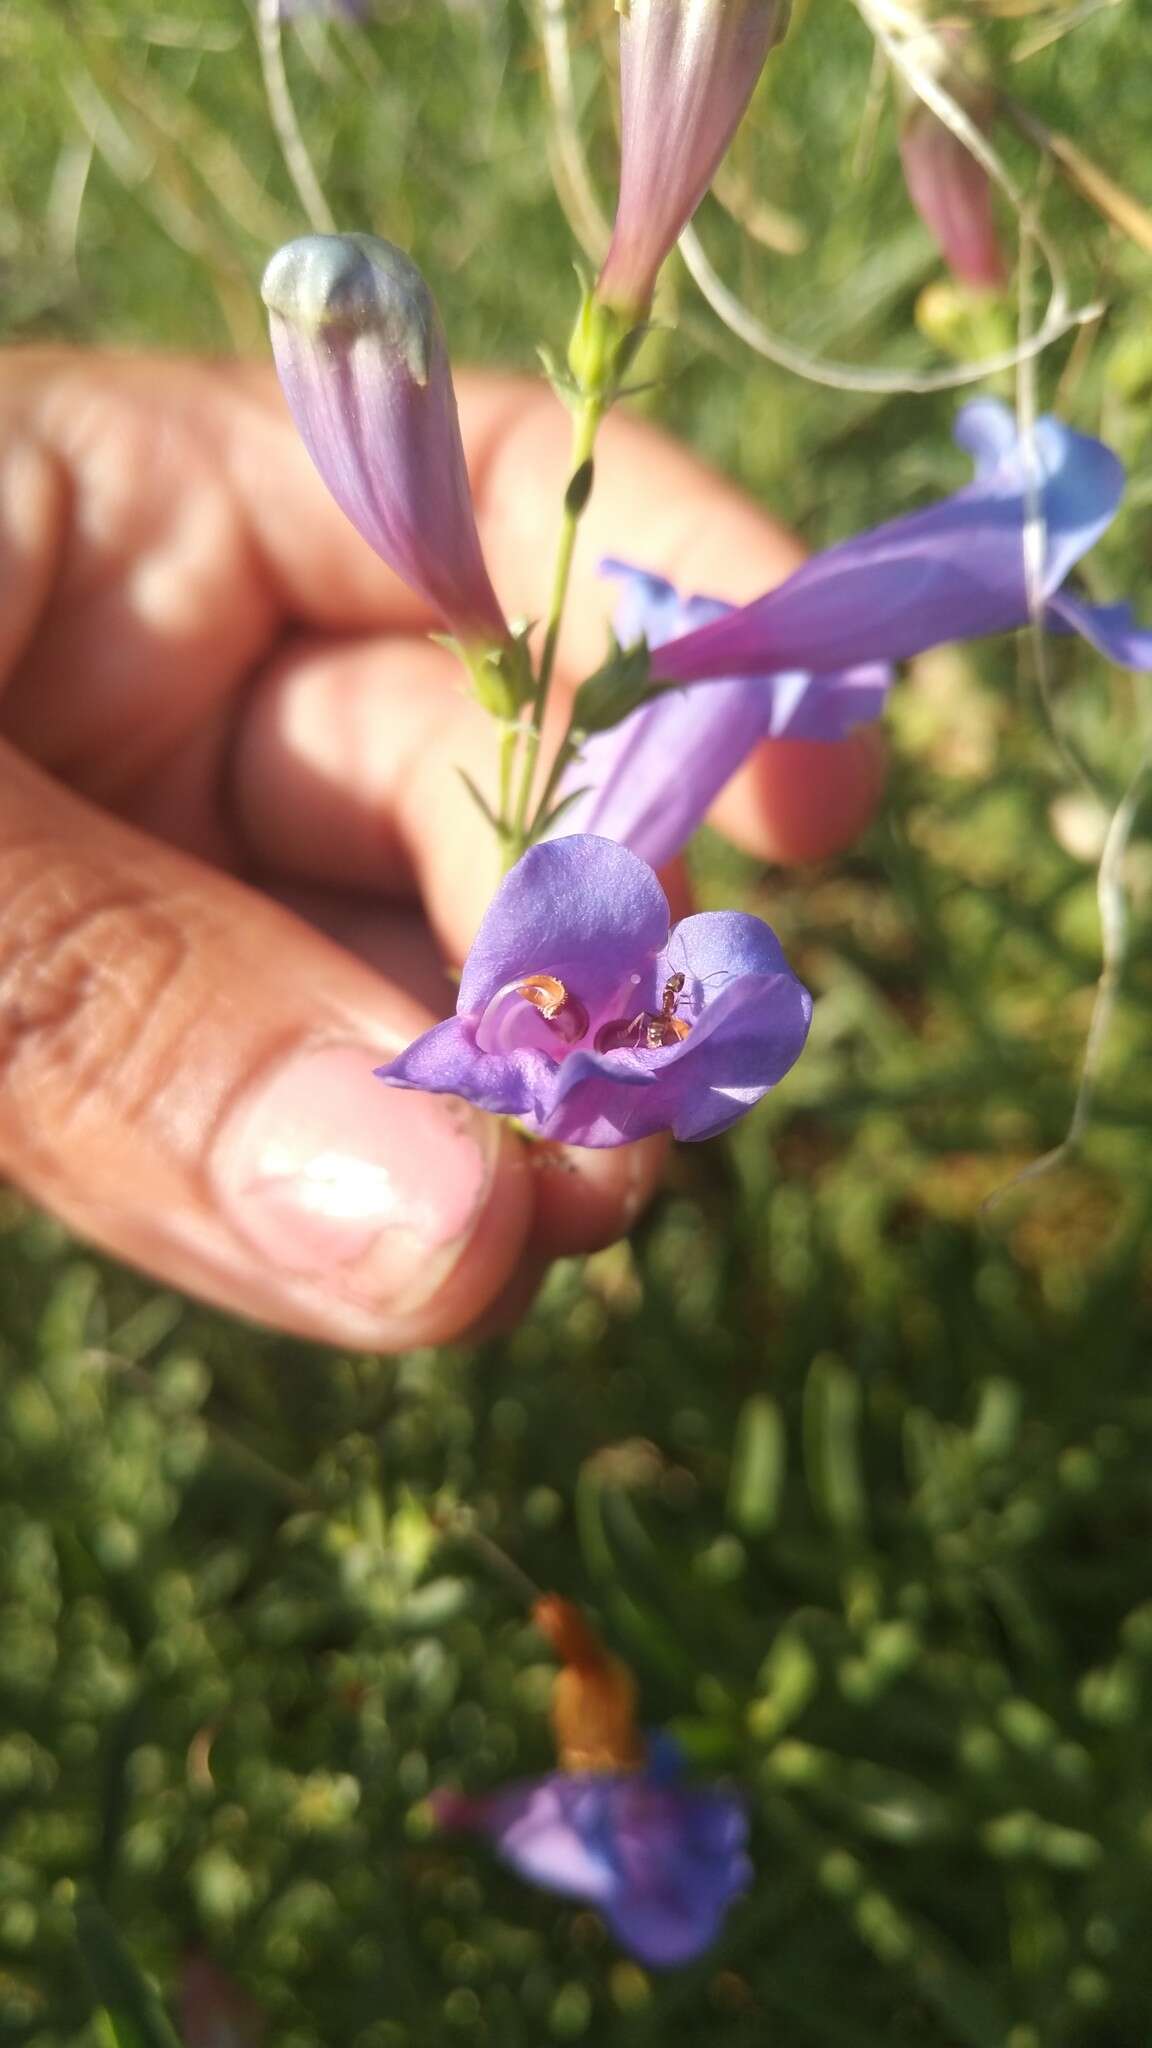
(594, 1695)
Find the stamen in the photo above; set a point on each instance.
(563, 1013)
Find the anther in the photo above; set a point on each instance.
(563, 1013)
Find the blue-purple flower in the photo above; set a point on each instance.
(662, 1861)
(956, 571)
(584, 1016)
(649, 781)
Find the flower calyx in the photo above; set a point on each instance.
(502, 678)
(614, 690)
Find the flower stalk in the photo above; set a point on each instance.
(601, 350)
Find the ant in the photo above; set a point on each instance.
(652, 1030)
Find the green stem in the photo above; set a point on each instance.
(585, 429)
(509, 744)
(565, 755)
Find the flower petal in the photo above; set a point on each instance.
(680, 1861)
(556, 1832)
(1078, 480)
(447, 1061)
(1111, 628)
(662, 1862)
(582, 909)
(649, 781)
(953, 571)
(747, 1035)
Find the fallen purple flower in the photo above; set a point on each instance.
(955, 571)
(649, 781)
(583, 1016)
(661, 1861)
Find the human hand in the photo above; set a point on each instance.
(234, 851)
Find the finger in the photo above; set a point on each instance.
(804, 800)
(586, 1200)
(347, 770)
(186, 1078)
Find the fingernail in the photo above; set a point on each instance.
(371, 1191)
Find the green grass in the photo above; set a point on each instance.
(857, 1473)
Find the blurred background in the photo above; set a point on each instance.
(856, 1471)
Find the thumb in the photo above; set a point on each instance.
(186, 1078)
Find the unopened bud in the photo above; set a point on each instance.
(950, 190)
(364, 366)
(688, 69)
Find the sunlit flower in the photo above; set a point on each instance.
(688, 69)
(662, 1860)
(364, 366)
(649, 781)
(581, 1014)
(956, 571)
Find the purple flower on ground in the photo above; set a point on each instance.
(661, 1861)
(955, 571)
(649, 781)
(364, 366)
(688, 69)
(582, 1014)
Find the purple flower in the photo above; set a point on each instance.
(660, 1860)
(688, 69)
(363, 362)
(955, 571)
(649, 781)
(582, 1015)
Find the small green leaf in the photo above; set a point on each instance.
(758, 1462)
(129, 2012)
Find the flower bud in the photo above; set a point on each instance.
(951, 192)
(687, 72)
(364, 366)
